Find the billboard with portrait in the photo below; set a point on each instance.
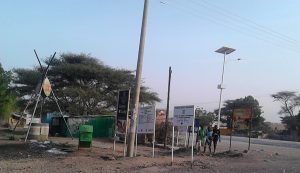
(122, 111)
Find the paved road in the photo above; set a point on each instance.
(278, 143)
(288, 144)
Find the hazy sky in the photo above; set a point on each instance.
(181, 33)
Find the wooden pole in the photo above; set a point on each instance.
(168, 104)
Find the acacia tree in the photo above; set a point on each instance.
(258, 121)
(205, 118)
(290, 103)
(82, 84)
(7, 97)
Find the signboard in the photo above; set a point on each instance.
(123, 104)
(242, 114)
(160, 116)
(146, 120)
(182, 129)
(240, 125)
(241, 118)
(122, 111)
(183, 115)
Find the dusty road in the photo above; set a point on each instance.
(261, 158)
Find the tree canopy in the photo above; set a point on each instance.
(246, 102)
(7, 97)
(206, 118)
(290, 104)
(82, 84)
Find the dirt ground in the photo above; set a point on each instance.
(17, 156)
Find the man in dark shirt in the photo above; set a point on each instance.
(216, 137)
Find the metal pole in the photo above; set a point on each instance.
(115, 135)
(231, 121)
(172, 146)
(114, 146)
(188, 142)
(221, 89)
(250, 128)
(130, 147)
(125, 140)
(168, 102)
(193, 139)
(153, 140)
(62, 114)
(37, 101)
(186, 136)
(24, 112)
(177, 137)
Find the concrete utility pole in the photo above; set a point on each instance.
(130, 146)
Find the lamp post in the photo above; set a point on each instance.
(225, 51)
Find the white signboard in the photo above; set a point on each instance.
(146, 119)
(182, 128)
(183, 115)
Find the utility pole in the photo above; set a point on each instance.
(167, 112)
(130, 146)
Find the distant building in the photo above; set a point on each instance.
(277, 126)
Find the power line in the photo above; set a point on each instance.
(248, 22)
(239, 28)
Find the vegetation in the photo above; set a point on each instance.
(290, 102)
(82, 84)
(7, 97)
(258, 121)
(205, 118)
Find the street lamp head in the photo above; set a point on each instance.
(225, 50)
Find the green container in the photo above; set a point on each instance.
(103, 126)
(85, 136)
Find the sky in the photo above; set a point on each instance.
(183, 34)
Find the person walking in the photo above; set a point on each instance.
(208, 139)
(216, 136)
(200, 138)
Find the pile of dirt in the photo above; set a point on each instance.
(21, 150)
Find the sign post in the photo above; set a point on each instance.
(172, 146)
(241, 119)
(193, 138)
(186, 136)
(146, 122)
(153, 140)
(184, 116)
(122, 116)
(231, 126)
(250, 126)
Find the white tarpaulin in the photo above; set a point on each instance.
(146, 119)
(183, 115)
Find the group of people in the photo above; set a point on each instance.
(207, 137)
